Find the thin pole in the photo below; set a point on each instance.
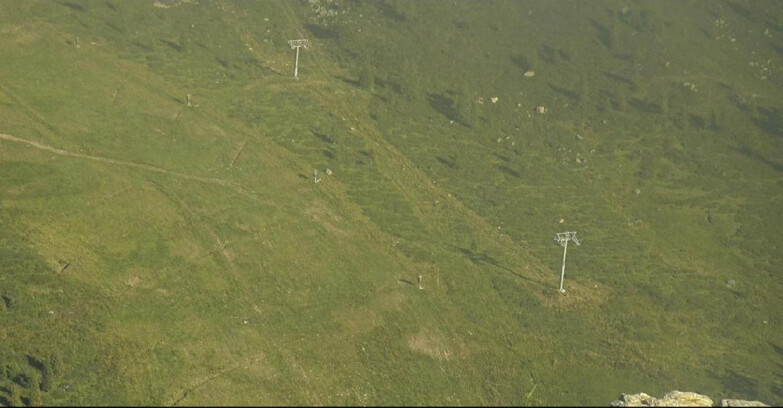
(296, 64)
(562, 271)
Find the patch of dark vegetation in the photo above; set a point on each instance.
(443, 105)
(508, 170)
(6, 302)
(115, 27)
(697, 121)
(521, 61)
(624, 57)
(552, 55)
(770, 120)
(349, 81)
(387, 9)
(74, 6)
(223, 63)
(323, 137)
(645, 106)
(740, 383)
(142, 45)
(745, 151)
(24, 379)
(450, 163)
(605, 36)
(367, 153)
(618, 78)
(174, 45)
(501, 157)
(564, 92)
(322, 33)
(743, 11)
(479, 258)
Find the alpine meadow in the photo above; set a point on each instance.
(184, 222)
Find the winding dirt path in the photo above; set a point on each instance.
(147, 167)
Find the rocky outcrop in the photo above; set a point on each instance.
(680, 399)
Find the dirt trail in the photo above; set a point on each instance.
(246, 363)
(147, 167)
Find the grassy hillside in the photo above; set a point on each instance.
(163, 242)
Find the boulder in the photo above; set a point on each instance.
(679, 399)
(634, 400)
(741, 403)
(684, 399)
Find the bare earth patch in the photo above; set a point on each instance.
(431, 344)
(133, 281)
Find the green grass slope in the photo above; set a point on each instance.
(155, 253)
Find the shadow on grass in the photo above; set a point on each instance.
(770, 120)
(483, 258)
(35, 363)
(737, 383)
(349, 81)
(745, 151)
(443, 105)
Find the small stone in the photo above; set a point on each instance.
(540, 109)
(731, 282)
(561, 221)
(529, 73)
(494, 99)
(328, 171)
(637, 191)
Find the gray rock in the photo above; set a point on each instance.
(634, 400)
(741, 403)
(684, 399)
(730, 283)
(679, 399)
